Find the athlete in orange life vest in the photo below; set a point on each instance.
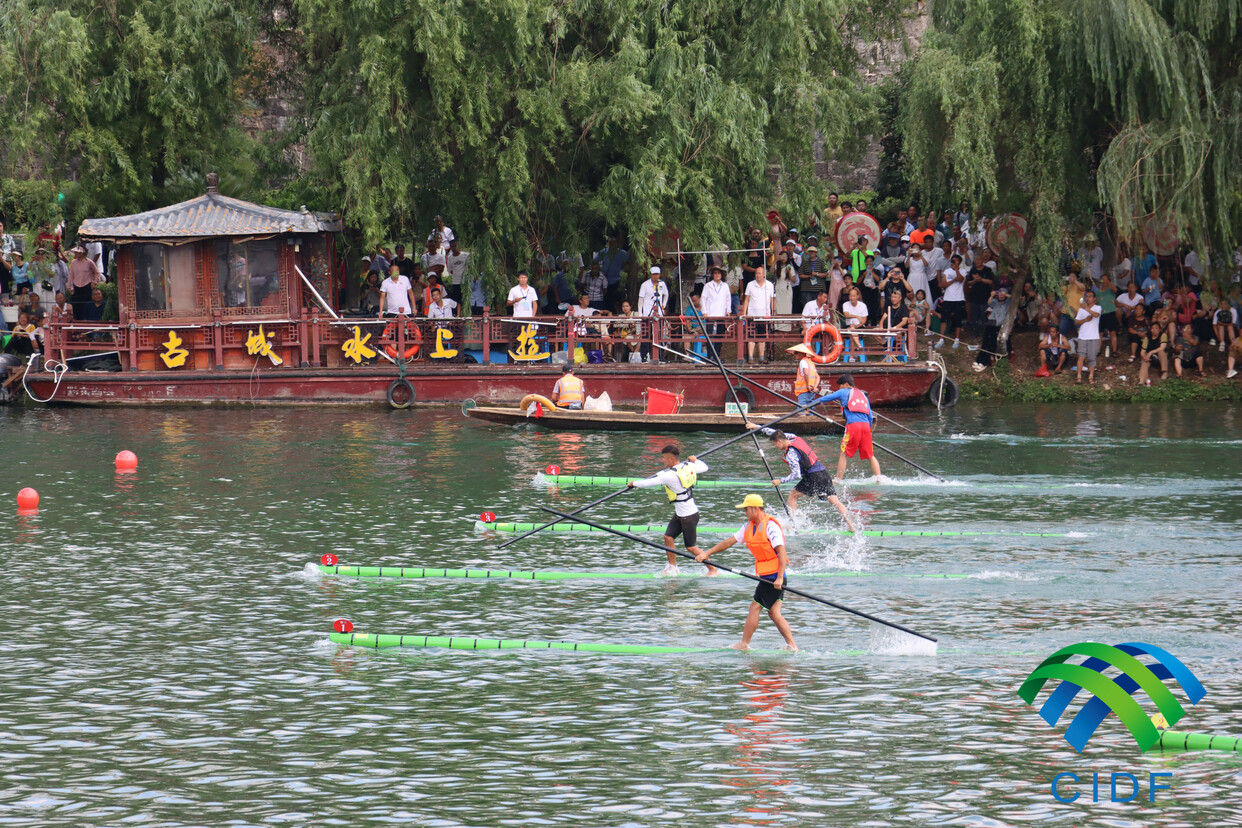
(765, 539)
(569, 391)
(805, 468)
(858, 422)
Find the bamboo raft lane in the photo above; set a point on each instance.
(423, 572)
(509, 527)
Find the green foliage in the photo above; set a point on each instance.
(28, 204)
(1129, 105)
(1000, 385)
(546, 123)
(137, 97)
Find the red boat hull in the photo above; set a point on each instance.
(887, 385)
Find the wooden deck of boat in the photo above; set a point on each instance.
(637, 421)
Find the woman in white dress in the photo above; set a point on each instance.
(787, 279)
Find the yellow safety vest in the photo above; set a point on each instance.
(687, 477)
(572, 391)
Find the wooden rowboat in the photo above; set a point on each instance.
(565, 420)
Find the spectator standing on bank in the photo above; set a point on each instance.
(652, 303)
(83, 274)
(523, 299)
(717, 300)
(1088, 346)
(396, 295)
(758, 304)
(612, 260)
(952, 305)
(455, 262)
(443, 233)
(595, 287)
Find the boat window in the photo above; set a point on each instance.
(164, 278)
(151, 277)
(248, 273)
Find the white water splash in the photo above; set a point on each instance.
(1001, 575)
(1077, 534)
(311, 572)
(888, 641)
(541, 479)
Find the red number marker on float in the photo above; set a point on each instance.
(329, 559)
(553, 470)
(343, 625)
(488, 517)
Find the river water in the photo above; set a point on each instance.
(166, 660)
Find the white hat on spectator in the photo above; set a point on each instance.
(366, 258)
(655, 270)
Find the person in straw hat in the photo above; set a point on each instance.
(806, 383)
(765, 539)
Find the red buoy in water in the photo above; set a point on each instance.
(27, 498)
(328, 559)
(553, 470)
(343, 625)
(488, 517)
(126, 461)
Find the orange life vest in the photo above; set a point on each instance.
(572, 391)
(767, 562)
(807, 379)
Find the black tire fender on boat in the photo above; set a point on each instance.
(400, 398)
(744, 394)
(952, 391)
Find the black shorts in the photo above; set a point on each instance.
(767, 595)
(684, 526)
(1109, 323)
(817, 483)
(951, 314)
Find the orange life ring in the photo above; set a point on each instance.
(833, 334)
(412, 334)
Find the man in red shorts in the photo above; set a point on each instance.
(858, 421)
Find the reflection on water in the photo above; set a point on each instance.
(166, 661)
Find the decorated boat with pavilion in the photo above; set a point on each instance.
(225, 301)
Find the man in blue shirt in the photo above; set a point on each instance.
(1144, 264)
(858, 421)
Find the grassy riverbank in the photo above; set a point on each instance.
(1116, 379)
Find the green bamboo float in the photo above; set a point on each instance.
(643, 528)
(381, 641)
(1175, 740)
(416, 572)
(618, 482)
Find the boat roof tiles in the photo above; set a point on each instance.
(210, 215)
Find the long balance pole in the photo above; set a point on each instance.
(625, 489)
(684, 554)
(738, 402)
(729, 372)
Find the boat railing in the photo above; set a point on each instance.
(315, 340)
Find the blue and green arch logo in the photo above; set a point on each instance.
(1111, 695)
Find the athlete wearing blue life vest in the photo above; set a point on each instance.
(804, 467)
(856, 406)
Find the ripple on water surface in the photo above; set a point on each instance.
(168, 663)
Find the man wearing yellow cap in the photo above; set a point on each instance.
(765, 539)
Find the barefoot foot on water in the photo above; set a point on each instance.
(711, 570)
(741, 645)
(793, 648)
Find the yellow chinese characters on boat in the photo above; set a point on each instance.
(257, 344)
(442, 352)
(174, 355)
(528, 348)
(356, 348)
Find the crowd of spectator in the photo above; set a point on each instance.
(932, 271)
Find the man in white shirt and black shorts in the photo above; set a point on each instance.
(678, 480)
